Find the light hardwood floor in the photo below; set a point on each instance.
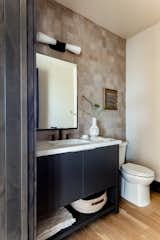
(131, 223)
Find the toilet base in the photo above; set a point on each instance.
(135, 193)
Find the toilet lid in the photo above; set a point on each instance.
(137, 170)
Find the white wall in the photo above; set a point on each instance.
(143, 98)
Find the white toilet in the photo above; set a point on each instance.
(135, 180)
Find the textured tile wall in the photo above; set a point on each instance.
(101, 64)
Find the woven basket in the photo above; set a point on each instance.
(91, 205)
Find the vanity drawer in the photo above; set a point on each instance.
(100, 166)
(59, 180)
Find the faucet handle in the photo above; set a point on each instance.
(53, 137)
(67, 135)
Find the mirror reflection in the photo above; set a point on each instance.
(57, 93)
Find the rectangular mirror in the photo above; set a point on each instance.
(56, 94)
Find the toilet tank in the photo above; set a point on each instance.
(122, 153)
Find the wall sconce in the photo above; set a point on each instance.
(57, 45)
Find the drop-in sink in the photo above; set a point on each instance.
(102, 139)
(69, 142)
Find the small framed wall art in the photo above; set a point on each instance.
(110, 99)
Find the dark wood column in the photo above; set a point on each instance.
(2, 126)
(32, 163)
(16, 119)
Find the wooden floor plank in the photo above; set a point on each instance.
(132, 223)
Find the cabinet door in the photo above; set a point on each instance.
(59, 180)
(100, 169)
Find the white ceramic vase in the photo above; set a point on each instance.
(94, 130)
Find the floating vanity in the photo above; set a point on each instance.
(69, 170)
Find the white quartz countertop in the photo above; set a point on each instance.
(46, 148)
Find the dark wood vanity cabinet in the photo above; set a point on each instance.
(100, 167)
(64, 178)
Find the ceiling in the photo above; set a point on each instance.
(122, 17)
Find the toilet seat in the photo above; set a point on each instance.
(137, 170)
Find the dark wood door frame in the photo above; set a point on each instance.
(32, 163)
(17, 120)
